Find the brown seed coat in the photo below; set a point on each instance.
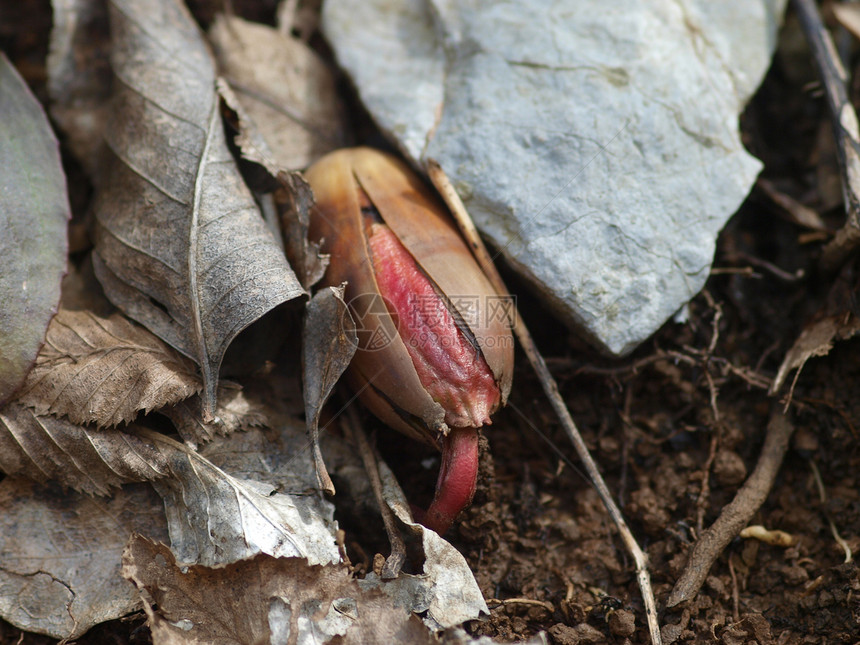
(387, 376)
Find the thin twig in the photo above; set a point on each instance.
(714, 392)
(715, 323)
(746, 272)
(799, 214)
(521, 601)
(770, 267)
(736, 595)
(822, 495)
(443, 185)
(845, 129)
(709, 353)
(354, 432)
(702, 501)
(626, 427)
(751, 377)
(737, 514)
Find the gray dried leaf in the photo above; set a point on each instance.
(216, 518)
(294, 199)
(235, 411)
(816, 339)
(180, 244)
(280, 458)
(262, 600)
(87, 459)
(33, 216)
(446, 589)
(62, 554)
(293, 196)
(329, 342)
(79, 76)
(287, 91)
(104, 370)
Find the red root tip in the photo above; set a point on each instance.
(457, 478)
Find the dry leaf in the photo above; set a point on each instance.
(33, 216)
(287, 91)
(293, 197)
(62, 554)
(835, 320)
(815, 340)
(329, 342)
(280, 457)
(86, 459)
(848, 14)
(180, 244)
(235, 411)
(104, 370)
(263, 98)
(216, 518)
(303, 21)
(262, 600)
(446, 589)
(79, 76)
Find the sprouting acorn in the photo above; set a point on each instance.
(435, 355)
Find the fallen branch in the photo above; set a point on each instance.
(845, 129)
(443, 185)
(737, 514)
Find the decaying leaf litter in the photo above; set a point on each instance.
(682, 431)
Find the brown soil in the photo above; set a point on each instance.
(676, 429)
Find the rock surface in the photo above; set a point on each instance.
(596, 145)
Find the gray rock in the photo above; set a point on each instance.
(595, 144)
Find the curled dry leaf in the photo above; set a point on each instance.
(104, 370)
(262, 600)
(294, 199)
(328, 345)
(33, 216)
(288, 115)
(62, 554)
(180, 244)
(86, 459)
(834, 321)
(287, 91)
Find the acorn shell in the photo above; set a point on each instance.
(386, 379)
